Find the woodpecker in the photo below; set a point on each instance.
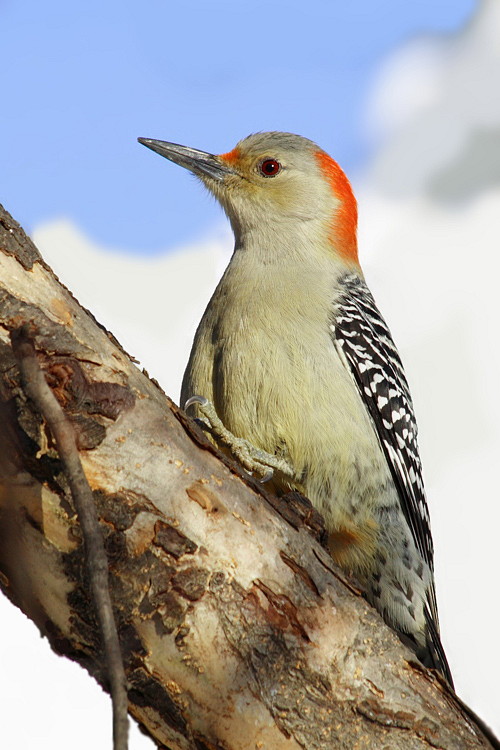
(294, 368)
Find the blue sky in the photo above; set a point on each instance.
(82, 80)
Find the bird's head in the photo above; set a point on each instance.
(276, 182)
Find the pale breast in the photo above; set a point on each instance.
(279, 382)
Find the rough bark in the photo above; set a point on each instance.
(237, 630)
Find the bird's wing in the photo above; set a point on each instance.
(366, 346)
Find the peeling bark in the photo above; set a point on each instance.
(237, 631)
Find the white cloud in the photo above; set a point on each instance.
(436, 103)
(429, 232)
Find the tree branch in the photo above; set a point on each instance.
(39, 392)
(237, 631)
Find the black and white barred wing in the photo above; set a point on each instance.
(365, 343)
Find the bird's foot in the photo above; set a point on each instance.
(253, 459)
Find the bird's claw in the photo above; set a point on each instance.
(253, 459)
(267, 476)
(201, 400)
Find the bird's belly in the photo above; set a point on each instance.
(283, 399)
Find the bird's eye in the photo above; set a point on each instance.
(269, 167)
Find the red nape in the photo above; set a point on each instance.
(345, 219)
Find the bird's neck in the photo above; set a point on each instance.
(303, 244)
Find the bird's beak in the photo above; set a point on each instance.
(199, 162)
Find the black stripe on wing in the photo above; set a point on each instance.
(365, 343)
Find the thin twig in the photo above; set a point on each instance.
(40, 393)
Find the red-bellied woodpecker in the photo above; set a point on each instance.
(293, 357)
